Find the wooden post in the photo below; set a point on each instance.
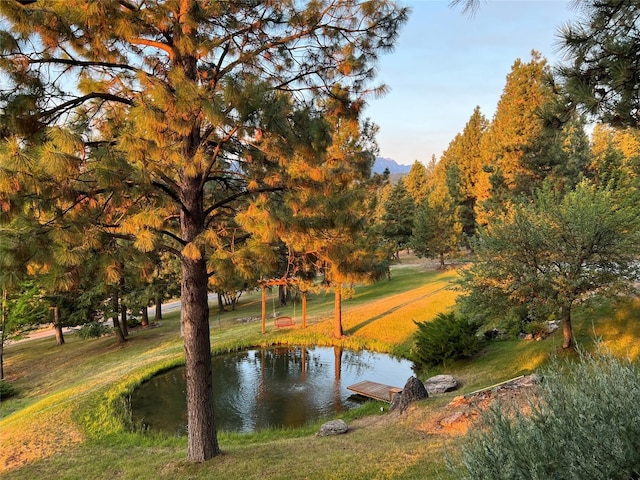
(264, 309)
(337, 311)
(304, 309)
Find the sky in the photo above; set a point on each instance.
(446, 63)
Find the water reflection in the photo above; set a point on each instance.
(281, 387)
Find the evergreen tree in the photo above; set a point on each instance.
(602, 76)
(462, 162)
(521, 149)
(435, 231)
(416, 182)
(510, 145)
(328, 221)
(21, 308)
(615, 156)
(397, 218)
(186, 109)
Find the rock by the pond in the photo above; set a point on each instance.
(334, 427)
(440, 384)
(413, 391)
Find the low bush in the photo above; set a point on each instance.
(584, 425)
(446, 337)
(133, 322)
(93, 330)
(6, 390)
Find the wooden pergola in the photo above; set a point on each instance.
(276, 282)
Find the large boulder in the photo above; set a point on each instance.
(333, 427)
(440, 384)
(413, 391)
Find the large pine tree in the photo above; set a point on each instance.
(188, 108)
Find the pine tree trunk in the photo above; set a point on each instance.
(567, 329)
(283, 295)
(116, 322)
(158, 307)
(144, 313)
(57, 326)
(337, 312)
(59, 335)
(202, 435)
(304, 309)
(123, 308)
(220, 303)
(202, 440)
(124, 320)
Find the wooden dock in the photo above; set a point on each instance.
(377, 391)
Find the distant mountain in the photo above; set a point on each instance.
(393, 166)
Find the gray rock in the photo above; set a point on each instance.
(412, 392)
(333, 427)
(551, 327)
(441, 384)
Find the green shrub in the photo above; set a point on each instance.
(6, 390)
(586, 425)
(446, 337)
(93, 330)
(133, 322)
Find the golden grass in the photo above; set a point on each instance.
(620, 330)
(64, 381)
(37, 434)
(391, 320)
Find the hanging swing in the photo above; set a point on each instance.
(284, 321)
(281, 321)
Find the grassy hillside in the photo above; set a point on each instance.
(69, 420)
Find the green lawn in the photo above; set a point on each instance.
(69, 420)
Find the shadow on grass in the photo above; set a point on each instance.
(369, 321)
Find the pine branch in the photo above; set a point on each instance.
(80, 100)
(155, 44)
(216, 152)
(166, 189)
(83, 63)
(173, 236)
(238, 195)
(167, 248)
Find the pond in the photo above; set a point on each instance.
(275, 387)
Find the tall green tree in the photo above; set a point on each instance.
(436, 229)
(550, 255)
(436, 232)
(397, 218)
(193, 108)
(462, 170)
(523, 147)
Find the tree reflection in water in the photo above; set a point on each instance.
(275, 387)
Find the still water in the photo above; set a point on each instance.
(276, 387)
